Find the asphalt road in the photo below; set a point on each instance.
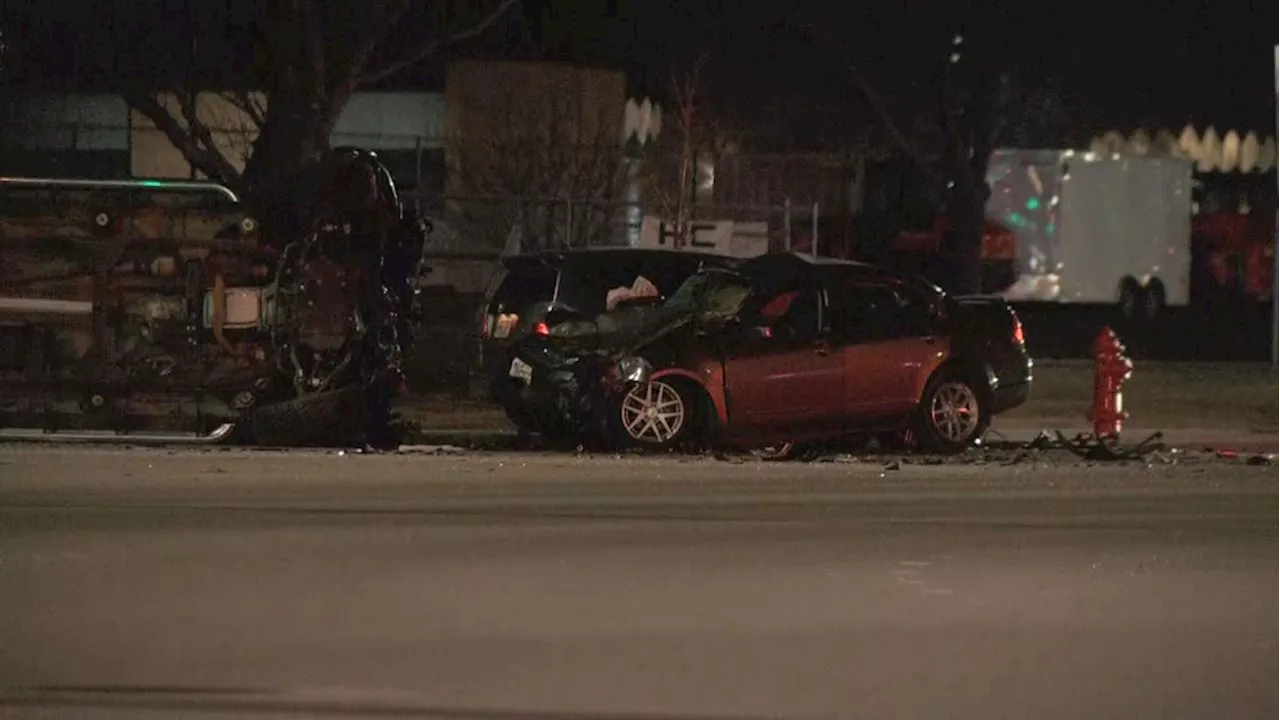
(193, 584)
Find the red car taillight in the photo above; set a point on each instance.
(484, 326)
(541, 329)
(1017, 331)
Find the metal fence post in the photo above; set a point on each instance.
(568, 222)
(417, 161)
(1275, 277)
(786, 224)
(75, 147)
(634, 211)
(813, 242)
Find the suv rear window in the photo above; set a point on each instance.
(523, 286)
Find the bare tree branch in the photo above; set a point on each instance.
(550, 166)
(364, 42)
(196, 127)
(245, 123)
(431, 48)
(315, 41)
(911, 148)
(689, 124)
(316, 55)
(248, 103)
(194, 142)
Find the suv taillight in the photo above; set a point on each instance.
(541, 329)
(1017, 331)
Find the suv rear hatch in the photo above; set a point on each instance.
(521, 287)
(988, 319)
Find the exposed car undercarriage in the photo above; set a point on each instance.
(203, 331)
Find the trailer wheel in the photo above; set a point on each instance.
(1130, 298)
(1153, 300)
(1202, 282)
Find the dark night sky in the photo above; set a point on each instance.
(1203, 61)
(1123, 62)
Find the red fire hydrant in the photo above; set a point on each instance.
(1111, 368)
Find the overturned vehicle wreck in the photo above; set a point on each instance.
(781, 352)
(154, 310)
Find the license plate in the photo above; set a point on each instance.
(521, 370)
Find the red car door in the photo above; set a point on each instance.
(784, 373)
(887, 347)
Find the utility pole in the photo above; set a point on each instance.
(193, 52)
(1275, 275)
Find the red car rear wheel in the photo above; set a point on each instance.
(952, 414)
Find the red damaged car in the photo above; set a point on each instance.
(784, 349)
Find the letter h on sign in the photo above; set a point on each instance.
(701, 235)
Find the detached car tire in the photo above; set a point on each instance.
(335, 417)
(952, 415)
(659, 415)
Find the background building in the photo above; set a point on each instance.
(99, 136)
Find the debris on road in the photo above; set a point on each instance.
(1044, 439)
(1044, 449)
(431, 450)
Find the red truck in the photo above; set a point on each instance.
(1235, 253)
(999, 250)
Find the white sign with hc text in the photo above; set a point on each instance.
(718, 237)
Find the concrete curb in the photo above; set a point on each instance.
(1224, 441)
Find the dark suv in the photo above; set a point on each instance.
(531, 286)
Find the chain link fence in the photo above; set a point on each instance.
(504, 225)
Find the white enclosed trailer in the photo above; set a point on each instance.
(1095, 229)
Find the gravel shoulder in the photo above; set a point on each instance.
(1239, 397)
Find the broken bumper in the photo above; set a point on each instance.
(565, 395)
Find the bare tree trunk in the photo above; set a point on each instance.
(969, 143)
(967, 208)
(687, 115)
(293, 141)
(683, 180)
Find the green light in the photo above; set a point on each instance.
(1048, 229)
(152, 183)
(1033, 203)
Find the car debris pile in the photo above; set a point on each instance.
(154, 311)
